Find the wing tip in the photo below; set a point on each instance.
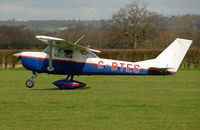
(93, 50)
(42, 37)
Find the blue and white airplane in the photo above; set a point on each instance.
(66, 58)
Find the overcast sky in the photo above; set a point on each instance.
(86, 9)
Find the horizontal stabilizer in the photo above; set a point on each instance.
(164, 70)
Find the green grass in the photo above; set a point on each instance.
(108, 102)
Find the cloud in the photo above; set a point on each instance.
(174, 7)
(20, 11)
(8, 8)
(86, 9)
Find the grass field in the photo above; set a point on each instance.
(108, 102)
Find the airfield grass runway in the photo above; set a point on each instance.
(108, 102)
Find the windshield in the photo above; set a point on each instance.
(46, 50)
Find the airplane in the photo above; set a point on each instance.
(67, 58)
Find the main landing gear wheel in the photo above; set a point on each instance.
(68, 83)
(30, 83)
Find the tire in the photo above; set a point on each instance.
(29, 83)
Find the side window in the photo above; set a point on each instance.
(68, 53)
(63, 53)
(87, 54)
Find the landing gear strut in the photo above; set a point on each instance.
(70, 75)
(30, 82)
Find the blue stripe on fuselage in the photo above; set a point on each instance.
(78, 68)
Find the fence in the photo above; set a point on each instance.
(192, 59)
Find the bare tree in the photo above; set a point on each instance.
(134, 20)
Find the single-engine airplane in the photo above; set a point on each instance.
(66, 58)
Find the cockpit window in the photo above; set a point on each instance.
(87, 54)
(63, 53)
(46, 50)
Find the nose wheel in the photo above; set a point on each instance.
(30, 83)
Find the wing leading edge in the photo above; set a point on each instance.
(61, 43)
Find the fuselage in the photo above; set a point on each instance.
(66, 58)
(79, 64)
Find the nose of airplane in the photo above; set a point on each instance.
(18, 55)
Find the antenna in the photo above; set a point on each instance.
(79, 39)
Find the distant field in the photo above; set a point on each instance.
(108, 102)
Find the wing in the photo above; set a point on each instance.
(60, 43)
(63, 44)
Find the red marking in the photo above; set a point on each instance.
(34, 57)
(72, 84)
(100, 64)
(59, 60)
(122, 64)
(107, 65)
(143, 69)
(114, 66)
(171, 71)
(136, 68)
(128, 67)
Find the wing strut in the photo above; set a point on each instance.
(79, 39)
(50, 68)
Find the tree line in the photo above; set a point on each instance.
(18, 38)
(154, 33)
(131, 27)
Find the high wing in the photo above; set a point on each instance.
(61, 43)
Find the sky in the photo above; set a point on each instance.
(86, 9)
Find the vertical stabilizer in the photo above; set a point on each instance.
(173, 55)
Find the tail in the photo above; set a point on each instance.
(171, 58)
